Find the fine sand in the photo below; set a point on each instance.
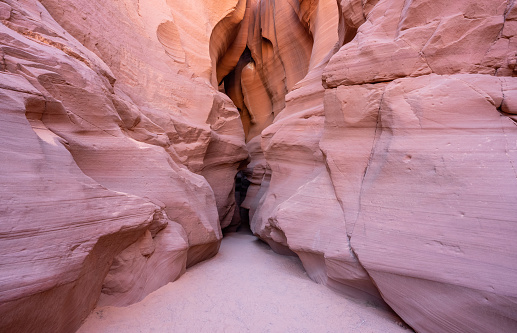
(245, 288)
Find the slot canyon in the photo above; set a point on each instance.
(260, 165)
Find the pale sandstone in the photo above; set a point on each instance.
(401, 38)
(5, 11)
(297, 210)
(120, 148)
(420, 161)
(60, 229)
(134, 270)
(416, 162)
(427, 205)
(176, 96)
(382, 149)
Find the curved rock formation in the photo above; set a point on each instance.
(392, 176)
(378, 138)
(287, 212)
(119, 154)
(419, 163)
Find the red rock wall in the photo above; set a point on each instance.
(392, 167)
(118, 155)
(381, 137)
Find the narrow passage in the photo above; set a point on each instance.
(246, 287)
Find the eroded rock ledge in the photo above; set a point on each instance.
(380, 139)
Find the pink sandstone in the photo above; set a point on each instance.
(102, 203)
(379, 139)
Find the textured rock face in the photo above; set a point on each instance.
(420, 164)
(118, 157)
(380, 137)
(401, 169)
(296, 209)
(429, 226)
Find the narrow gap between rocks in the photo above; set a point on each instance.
(252, 70)
(256, 64)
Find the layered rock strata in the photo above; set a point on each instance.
(381, 137)
(399, 168)
(427, 181)
(118, 155)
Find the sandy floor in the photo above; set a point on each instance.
(244, 288)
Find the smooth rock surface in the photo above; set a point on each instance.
(457, 157)
(297, 210)
(378, 137)
(409, 148)
(106, 145)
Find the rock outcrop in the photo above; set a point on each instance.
(287, 211)
(378, 138)
(424, 162)
(118, 158)
(400, 169)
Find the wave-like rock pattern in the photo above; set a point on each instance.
(380, 139)
(392, 167)
(118, 157)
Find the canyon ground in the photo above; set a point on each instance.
(246, 287)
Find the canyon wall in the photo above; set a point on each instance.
(391, 170)
(378, 138)
(118, 154)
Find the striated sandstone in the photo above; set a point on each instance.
(176, 96)
(431, 141)
(113, 132)
(405, 155)
(401, 38)
(420, 161)
(430, 204)
(297, 210)
(60, 229)
(380, 140)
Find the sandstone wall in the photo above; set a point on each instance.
(397, 174)
(118, 154)
(381, 136)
